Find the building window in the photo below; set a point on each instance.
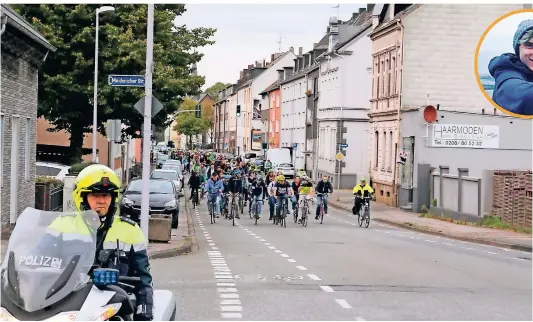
(393, 74)
(385, 153)
(392, 152)
(376, 147)
(27, 151)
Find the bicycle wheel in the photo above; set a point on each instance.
(322, 214)
(295, 215)
(360, 218)
(211, 214)
(233, 214)
(366, 219)
(304, 216)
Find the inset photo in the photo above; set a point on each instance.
(504, 63)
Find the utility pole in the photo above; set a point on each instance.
(147, 129)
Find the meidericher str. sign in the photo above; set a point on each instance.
(126, 80)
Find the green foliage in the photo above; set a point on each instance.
(66, 79)
(214, 89)
(186, 123)
(76, 168)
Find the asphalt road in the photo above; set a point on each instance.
(339, 271)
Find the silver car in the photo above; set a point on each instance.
(168, 174)
(287, 169)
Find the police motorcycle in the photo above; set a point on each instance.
(47, 275)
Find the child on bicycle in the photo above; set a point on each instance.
(306, 193)
(282, 191)
(360, 191)
(257, 189)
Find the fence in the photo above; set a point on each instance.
(49, 196)
(512, 192)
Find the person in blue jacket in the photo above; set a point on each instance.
(513, 73)
(215, 188)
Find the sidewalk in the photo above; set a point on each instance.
(412, 221)
(181, 241)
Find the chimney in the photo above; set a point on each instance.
(370, 7)
(306, 59)
(281, 73)
(327, 30)
(334, 34)
(250, 66)
(355, 15)
(314, 45)
(288, 72)
(264, 63)
(296, 65)
(241, 74)
(391, 11)
(272, 58)
(361, 10)
(292, 49)
(300, 51)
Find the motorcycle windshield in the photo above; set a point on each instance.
(48, 257)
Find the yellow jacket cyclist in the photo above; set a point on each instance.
(361, 190)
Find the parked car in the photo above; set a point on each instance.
(176, 167)
(168, 174)
(164, 199)
(161, 159)
(53, 170)
(287, 169)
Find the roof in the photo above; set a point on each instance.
(380, 11)
(17, 21)
(271, 87)
(244, 82)
(201, 97)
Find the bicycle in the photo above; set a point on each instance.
(321, 212)
(211, 206)
(224, 209)
(233, 207)
(255, 208)
(295, 214)
(305, 211)
(195, 201)
(282, 214)
(363, 217)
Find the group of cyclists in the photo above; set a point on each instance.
(222, 179)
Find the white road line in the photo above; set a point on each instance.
(492, 253)
(291, 260)
(257, 237)
(430, 241)
(284, 255)
(278, 251)
(229, 296)
(227, 290)
(448, 244)
(271, 247)
(211, 244)
(267, 244)
(469, 248)
(262, 240)
(225, 284)
(231, 315)
(233, 308)
(520, 259)
(343, 303)
(213, 247)
(327, 289)
(302, 268)
(313, 277)
(222, 277)
(230, 302)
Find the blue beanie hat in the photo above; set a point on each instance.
(523, 27)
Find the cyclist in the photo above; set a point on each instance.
(225, 184)
(306, 192)
(194, 184)
(257, 191)
(214, 190)
(271, 198)
(323, 188)
(301, 172)
(296, 188)
(235, 187)
(359, 191)
(268, 166)
(282, 191)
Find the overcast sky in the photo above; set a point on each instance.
(246, 33)
(499, 40)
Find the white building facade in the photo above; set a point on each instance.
(344, 86)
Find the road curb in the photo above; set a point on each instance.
(436, 233)
(188, 243)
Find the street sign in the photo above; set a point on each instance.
(339, 156)
(156, 106)
(126, 80)
(114, 130)
(343, 145)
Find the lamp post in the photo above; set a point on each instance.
(95, 97)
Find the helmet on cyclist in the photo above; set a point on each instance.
(237, 173)
(280, 178)
(363, 181)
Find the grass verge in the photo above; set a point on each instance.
(494, 222)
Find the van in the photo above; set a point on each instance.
(278, 156)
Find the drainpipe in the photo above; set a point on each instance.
(395, 172)
(305, 127)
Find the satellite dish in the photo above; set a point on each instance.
(430, 114)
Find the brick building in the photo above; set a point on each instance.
(23, 51)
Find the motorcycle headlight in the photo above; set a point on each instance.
(170, 204)
(127, 202)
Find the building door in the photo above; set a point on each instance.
(13, 200)
(408, 147)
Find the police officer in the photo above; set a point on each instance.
(97, 188)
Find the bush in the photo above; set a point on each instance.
(44, 180)
(76, 168)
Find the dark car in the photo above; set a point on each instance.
(163, 200)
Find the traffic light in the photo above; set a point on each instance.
(198, 111)
(265, 146)
(238, 110)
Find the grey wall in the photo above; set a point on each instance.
(514, 151)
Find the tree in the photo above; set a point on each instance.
(187, 123)
(214, 89)
(66, 79)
